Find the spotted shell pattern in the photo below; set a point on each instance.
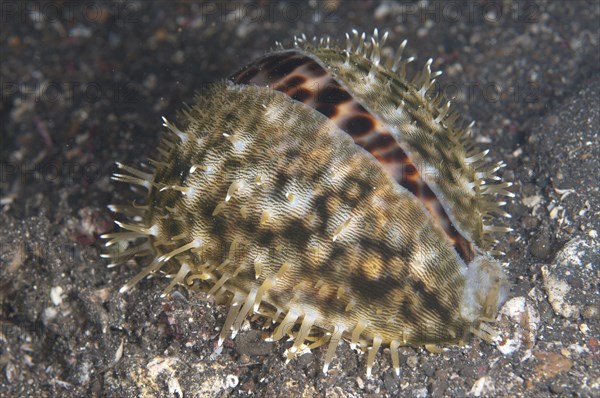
(323, 190)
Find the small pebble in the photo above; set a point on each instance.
(412, 361)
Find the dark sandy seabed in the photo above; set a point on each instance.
(85, 85)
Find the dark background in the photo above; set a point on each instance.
(84, 84)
